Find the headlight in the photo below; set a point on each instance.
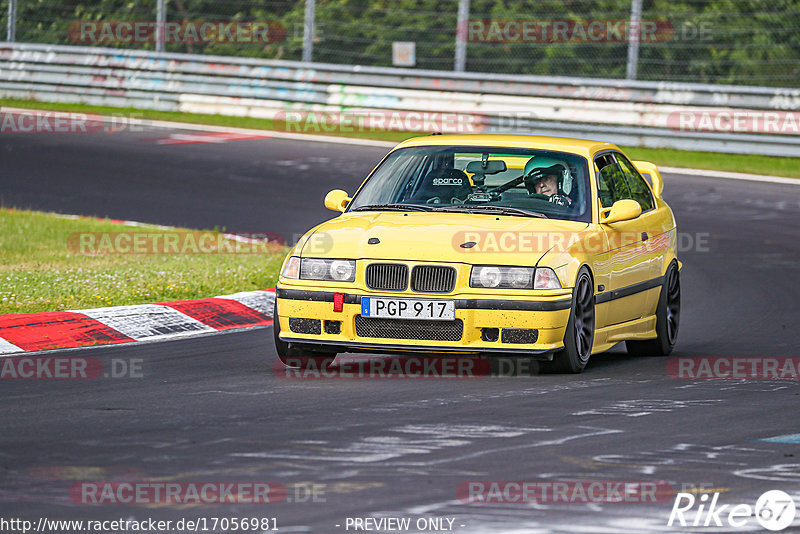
(343, 270)
(336, 270)
(497, 277)
(291, 267)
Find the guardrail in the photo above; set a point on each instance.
(661, 115)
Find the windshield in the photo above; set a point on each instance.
(495, 180)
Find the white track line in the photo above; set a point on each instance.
(369, 142)
(385, 144)
(170, 125)
(731, 175)
(112, 221)
(271, 133)
(232, 237)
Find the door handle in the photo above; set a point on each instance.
(644, 236)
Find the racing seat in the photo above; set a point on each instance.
(442, 186)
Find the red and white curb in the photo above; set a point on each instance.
(127, 324)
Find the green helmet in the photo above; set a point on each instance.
(540, 166)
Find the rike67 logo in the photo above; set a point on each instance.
(774, 510)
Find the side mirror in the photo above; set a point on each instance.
(649, 170)
(622, 210)
(337, 200)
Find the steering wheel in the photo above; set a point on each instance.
(538, 196)
(506, 186)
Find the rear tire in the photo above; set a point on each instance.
(668, 314)
(294, 358)
(579, 336)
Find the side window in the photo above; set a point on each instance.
(611, 184)
(638, 187)
(408, 174)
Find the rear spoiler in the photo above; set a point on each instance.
(650, 171)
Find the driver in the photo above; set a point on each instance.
(548, 177)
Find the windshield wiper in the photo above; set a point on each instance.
(392, 207)
(500, 210)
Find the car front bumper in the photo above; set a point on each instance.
(526, 325)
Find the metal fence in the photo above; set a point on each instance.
(633, 113)
(747, 42)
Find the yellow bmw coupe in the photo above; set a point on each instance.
(539, 247)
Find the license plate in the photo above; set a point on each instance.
(436, 310)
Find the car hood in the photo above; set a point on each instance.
(417, 236)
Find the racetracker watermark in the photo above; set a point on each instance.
(735, 121)
(774, 510)
(734, 368)
(356, 367)
(172, 242)
(35, 121)
(69, 368)
(192, 31)
(515, 242)
(148, 524)
(371, 120)
(581, 31)
(563, 491)
(175, 493)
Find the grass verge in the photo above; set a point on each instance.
(747, 163)
(44, 265)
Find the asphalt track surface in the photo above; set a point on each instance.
(213, 409)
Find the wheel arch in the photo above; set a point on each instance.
(568, 274)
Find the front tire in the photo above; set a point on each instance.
(579, 337)
(668, 314)
(281, 347)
